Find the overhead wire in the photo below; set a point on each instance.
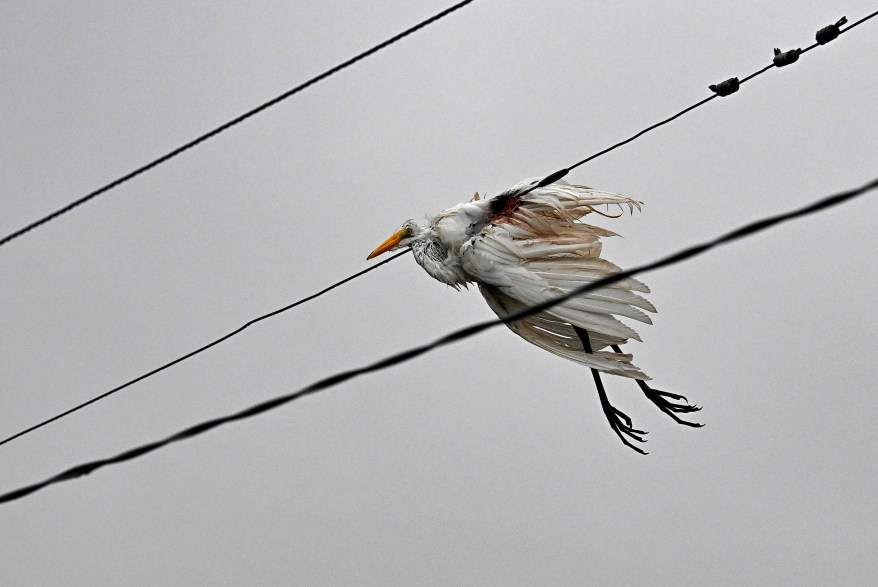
(227, 125)
(200, 349)
(552, 177)
(719, 91)
(453, 337)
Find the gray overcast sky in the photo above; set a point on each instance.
(488, 462)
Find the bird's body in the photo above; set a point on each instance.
(526, 246)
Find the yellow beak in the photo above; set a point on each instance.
(388, 244)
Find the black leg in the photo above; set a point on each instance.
(619, 421)
(668, 402)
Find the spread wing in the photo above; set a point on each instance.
(533, 250)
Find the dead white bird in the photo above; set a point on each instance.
(524, 247)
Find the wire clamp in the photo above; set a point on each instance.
(830, 32)
(785, 58)
(552, 178)
(730, 86)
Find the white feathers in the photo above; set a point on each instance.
(526, 249)
(557, 336)
(565, 201)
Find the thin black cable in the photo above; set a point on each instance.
(333, 380)
(232, 122)
(845, 29)
(201, 349)
(643, 132)
(852, 25)
(555, 176)
(812, 46)
(754, 74)
(545, 181)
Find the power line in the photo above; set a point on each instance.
(458, 335)
(231, 123)
(722, 89)
(552, 177)
(200, 349)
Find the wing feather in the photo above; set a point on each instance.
(538, 251)
(559, 338)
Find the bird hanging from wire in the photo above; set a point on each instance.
(526, 246)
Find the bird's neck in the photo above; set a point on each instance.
(438, 262)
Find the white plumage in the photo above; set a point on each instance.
(524, 247)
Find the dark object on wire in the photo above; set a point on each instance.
(828, 33)
(785, 58)
(730, 86)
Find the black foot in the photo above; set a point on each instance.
(619, 420)
(670, 403)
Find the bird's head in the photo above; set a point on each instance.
(403, 237)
